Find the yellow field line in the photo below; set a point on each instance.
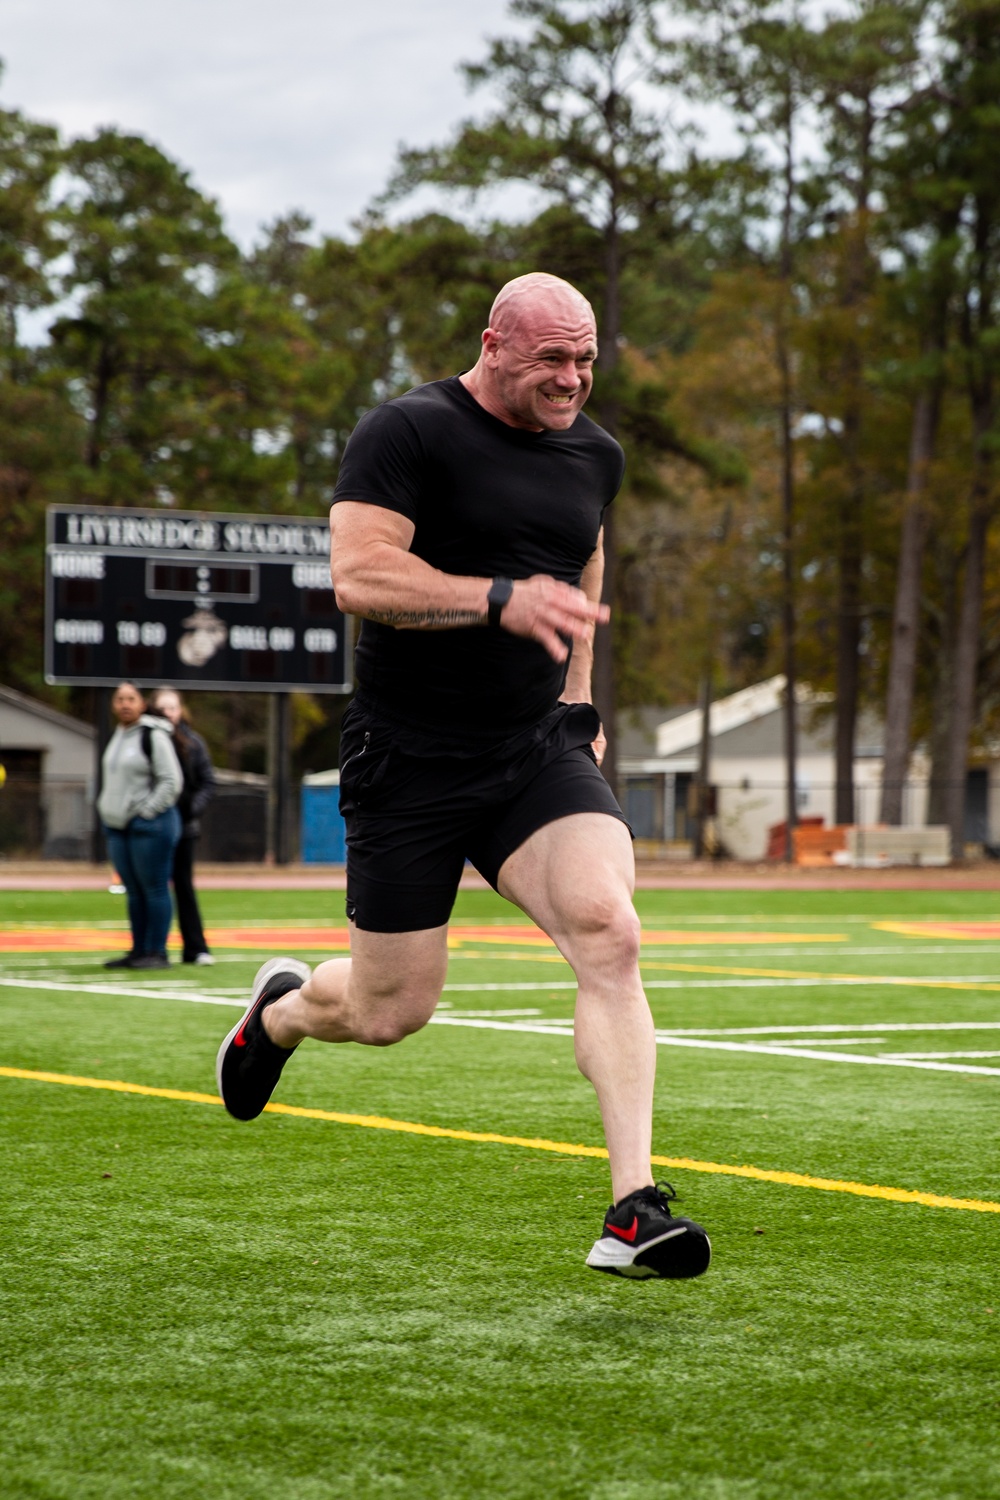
(564, 1148)
(948, 930)
(916, 982)
(747, 972)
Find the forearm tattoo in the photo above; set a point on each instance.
(426, 619)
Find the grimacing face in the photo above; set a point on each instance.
(543, 365)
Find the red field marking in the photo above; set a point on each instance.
(336, 939)
(87, 940)
(53, 940)
(959, 931)
(263, 939)
(273, 939)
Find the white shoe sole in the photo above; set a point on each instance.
(617, 1256)
(264, 973)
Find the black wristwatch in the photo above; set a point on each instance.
(500, 591)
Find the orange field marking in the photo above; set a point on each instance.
(959, 931)
(266, 939)
(53, 941)
(88, 940)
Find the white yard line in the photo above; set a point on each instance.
(119, 989)
(697, 1041)
(782, 1050)
(794, 1031)
(692, 983)
(801, 950)
(671, 1039)
(943, 1054)
(533, 1011)
(843, 1041)
(910, 981)
(531, 984)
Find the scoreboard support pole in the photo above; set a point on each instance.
(280, 801)
(104, 731)
(283, 810)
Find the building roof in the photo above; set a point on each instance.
(13, 699)
(683, 734)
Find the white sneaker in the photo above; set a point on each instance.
(204, 958)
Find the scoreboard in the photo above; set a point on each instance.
(194, 599)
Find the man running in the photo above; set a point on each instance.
(466, 531)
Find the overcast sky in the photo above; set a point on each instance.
(272, 104)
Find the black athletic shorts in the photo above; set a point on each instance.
(415, 809)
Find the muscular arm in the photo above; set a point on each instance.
(578, 684)
(375, 575)
(578, 687)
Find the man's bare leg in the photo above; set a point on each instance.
(387, 989)
(575, 878)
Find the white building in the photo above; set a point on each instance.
(46, 804)
(747, 768)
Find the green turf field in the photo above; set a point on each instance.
(302, 1309)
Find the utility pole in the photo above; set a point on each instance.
(103, 732)
(704, 752)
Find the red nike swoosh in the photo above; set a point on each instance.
(626, 1234)
(239, 1040)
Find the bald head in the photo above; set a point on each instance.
(535, 370)
(524, 297)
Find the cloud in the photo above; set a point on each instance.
(272, 104)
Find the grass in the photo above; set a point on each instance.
(301, 1310)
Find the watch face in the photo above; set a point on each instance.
(500, 591)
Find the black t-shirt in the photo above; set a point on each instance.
(486, 499)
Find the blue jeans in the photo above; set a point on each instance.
(143, 855)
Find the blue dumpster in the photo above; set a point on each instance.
(322, 830)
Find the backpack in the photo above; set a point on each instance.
(146, 741)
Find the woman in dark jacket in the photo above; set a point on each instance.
(199, 789)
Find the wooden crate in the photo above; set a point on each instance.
(776, 836)
(815, 847)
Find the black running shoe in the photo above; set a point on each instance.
(123, 961)
(249, 1064)
(642, 1239)
(150, 961)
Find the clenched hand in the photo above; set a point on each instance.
(544, 610)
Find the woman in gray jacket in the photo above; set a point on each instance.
(140, 783)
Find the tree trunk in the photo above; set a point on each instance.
(849, 566)
(906, 610)
(704, 762)
(978, 337)
(790, 734)
(967, 659)
(604, 658)
(102, 392)
(783, 353)
(937, 802)
(850, 551)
